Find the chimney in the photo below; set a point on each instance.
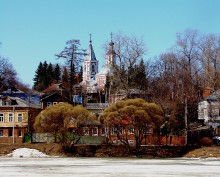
(207, 91)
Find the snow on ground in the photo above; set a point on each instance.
(26, 152)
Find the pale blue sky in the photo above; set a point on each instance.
(34, 30)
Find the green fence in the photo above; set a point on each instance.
(27, 137)
(92, 140)
(46, 137)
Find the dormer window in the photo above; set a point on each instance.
(6, 103)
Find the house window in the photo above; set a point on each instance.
(131, 131)
(20, 117)
(9, 133)
(54, 103)
(6, 103)
(49, 103)
(104, 131)
(1, 133)
(95, 131)
(1, 117)
(85, 131)
(10, 117)
(122, 131)
(114, 131)
(205, 112)
(20, 133)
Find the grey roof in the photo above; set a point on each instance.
(20, 103)
(13, 90)
(214, 96)
(90, 54)
(97, 106)
(106, 69)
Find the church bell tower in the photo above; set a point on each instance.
(90, 64)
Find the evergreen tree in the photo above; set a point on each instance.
(38, 79)
(49, 74)
(141, 76)
(44, 75)
(65, 78)
(57, 73)
(80, 75)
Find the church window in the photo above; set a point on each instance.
(93, 68)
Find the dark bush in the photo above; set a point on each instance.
(205, 141)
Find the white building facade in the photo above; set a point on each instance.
(94, 81)
(209, 110)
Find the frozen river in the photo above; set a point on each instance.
(102, 167)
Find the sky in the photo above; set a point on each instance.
(32, 31)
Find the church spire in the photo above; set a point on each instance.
(111, 53)
(111, 43)
(90, 36)
(90, 64)
(90, 52)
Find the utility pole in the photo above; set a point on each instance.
(13, 124)
(185, 117)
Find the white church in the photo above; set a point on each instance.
(94, 80)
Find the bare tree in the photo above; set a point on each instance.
(73, 56)
(129, 51)
(210, 56)
(7, 74)
(176, 76)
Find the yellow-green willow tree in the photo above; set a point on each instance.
(135, 115)
(58, 118)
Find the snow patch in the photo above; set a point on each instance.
(27, 152)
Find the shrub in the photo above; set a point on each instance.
(205, 141)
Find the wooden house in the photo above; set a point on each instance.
(16, 118)
(52, 99)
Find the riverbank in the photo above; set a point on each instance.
(54, 149)
(204, 152)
